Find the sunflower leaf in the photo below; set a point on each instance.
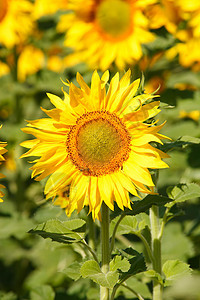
(183, 192)
(181, 142)
(129, 224)
(62, 232)
(44, 292)
(154, 275)
(146, 203)
(73, 271)
(136, 261)
(119, 263)
(175, 269)
(91, 269)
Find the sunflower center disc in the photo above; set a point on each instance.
(98, 144)
(98, 141)
(114, 17)
(3, 9)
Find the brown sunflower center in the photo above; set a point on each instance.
(98, 144)
(3, 9)
(114, 17)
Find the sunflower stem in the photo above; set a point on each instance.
(105, 248)
(114, 233)
(91, 226)
(156, 250)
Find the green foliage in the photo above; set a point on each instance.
(44, 292)
(175, 269)
(119, 263)
(73, 271)
(136, 261)
(63, 232)
(183, 192)
(91, 269)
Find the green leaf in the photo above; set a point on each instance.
(183, 192)
(175, 244)
(44, 292)
(91, 269)
(59, 231)
(154, 275)
(119, 263)
(175, 269)
(146, 203)
(181, 142)
(129, 224)
(73, 271)
(136, 261)
(7, 296)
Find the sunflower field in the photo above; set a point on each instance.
(99, 149)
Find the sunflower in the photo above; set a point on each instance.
(97, 142)
(47, 7)
(105, 31)
(15, 21)
(2, 151)
(169, 13)
(187, 48)
(29, 54)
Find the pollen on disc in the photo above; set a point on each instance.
(98, 142)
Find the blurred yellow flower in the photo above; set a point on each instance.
(168, 13)
(105, 31)
(30, 61)
(187, 49)
(2, 151)
(97, 142)
(4, 69)
(15, 21)
(46, 7)
(194, 114)
(63, 200)
(155, 83)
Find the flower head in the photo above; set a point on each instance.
(105, 31)
(15, 21)
(97, 142)
(2, 151)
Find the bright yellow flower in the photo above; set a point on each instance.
(47, 7)
(105, 31)
(4, 69)
(15, 21)
(30, 61)
(2, 151)
(97, 142)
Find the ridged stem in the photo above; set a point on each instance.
(105, 248)
(156, 250)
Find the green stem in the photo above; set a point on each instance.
(105, 248)
(114, 233)
(147, 247)
(83, 242)
(156, 250)
(91, 225)
(133, 291)
(164, 221)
